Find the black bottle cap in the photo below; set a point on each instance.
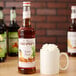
(1, 8)
(13, 8)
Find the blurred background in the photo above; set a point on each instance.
(50, 18)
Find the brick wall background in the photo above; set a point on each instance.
(50, 18)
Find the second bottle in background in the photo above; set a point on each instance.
(13, 34)
(3, 49)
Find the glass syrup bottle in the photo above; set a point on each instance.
(26, 40)
(71, 41)
(3, 49)
(13, 34)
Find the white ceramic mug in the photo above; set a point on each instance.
(50, 61)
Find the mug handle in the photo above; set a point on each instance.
(67, 59)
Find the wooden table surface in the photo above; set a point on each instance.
(10, 68)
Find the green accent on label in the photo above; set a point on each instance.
(13, 34)
(1, 37)
(33, 49)
(5, 34)
(2, 45)
(5, 37)
(13, 42)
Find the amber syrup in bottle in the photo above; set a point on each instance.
(26, 43)
(71, 41)
(13, 34)
(3, 49)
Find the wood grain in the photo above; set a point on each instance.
(10, 68)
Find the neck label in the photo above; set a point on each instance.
(12, 15)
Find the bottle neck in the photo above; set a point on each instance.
(1, 21)
(73, 21)
(12, 16)
(73, 15)
(13, 22)
(26, 22)
(26, 16)
(1, 14)
(1, 17)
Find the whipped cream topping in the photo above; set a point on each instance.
(49, 47)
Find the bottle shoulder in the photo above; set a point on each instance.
(13, 27)
(26, 29)
(13, 24)
(26, 32)
(1, 29)
(1, 26)
(72, 27)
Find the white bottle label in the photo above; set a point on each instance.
(26, 52)
(71, 42)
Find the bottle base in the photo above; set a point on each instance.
(13, 54)
(72, 54)
(27, 70)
